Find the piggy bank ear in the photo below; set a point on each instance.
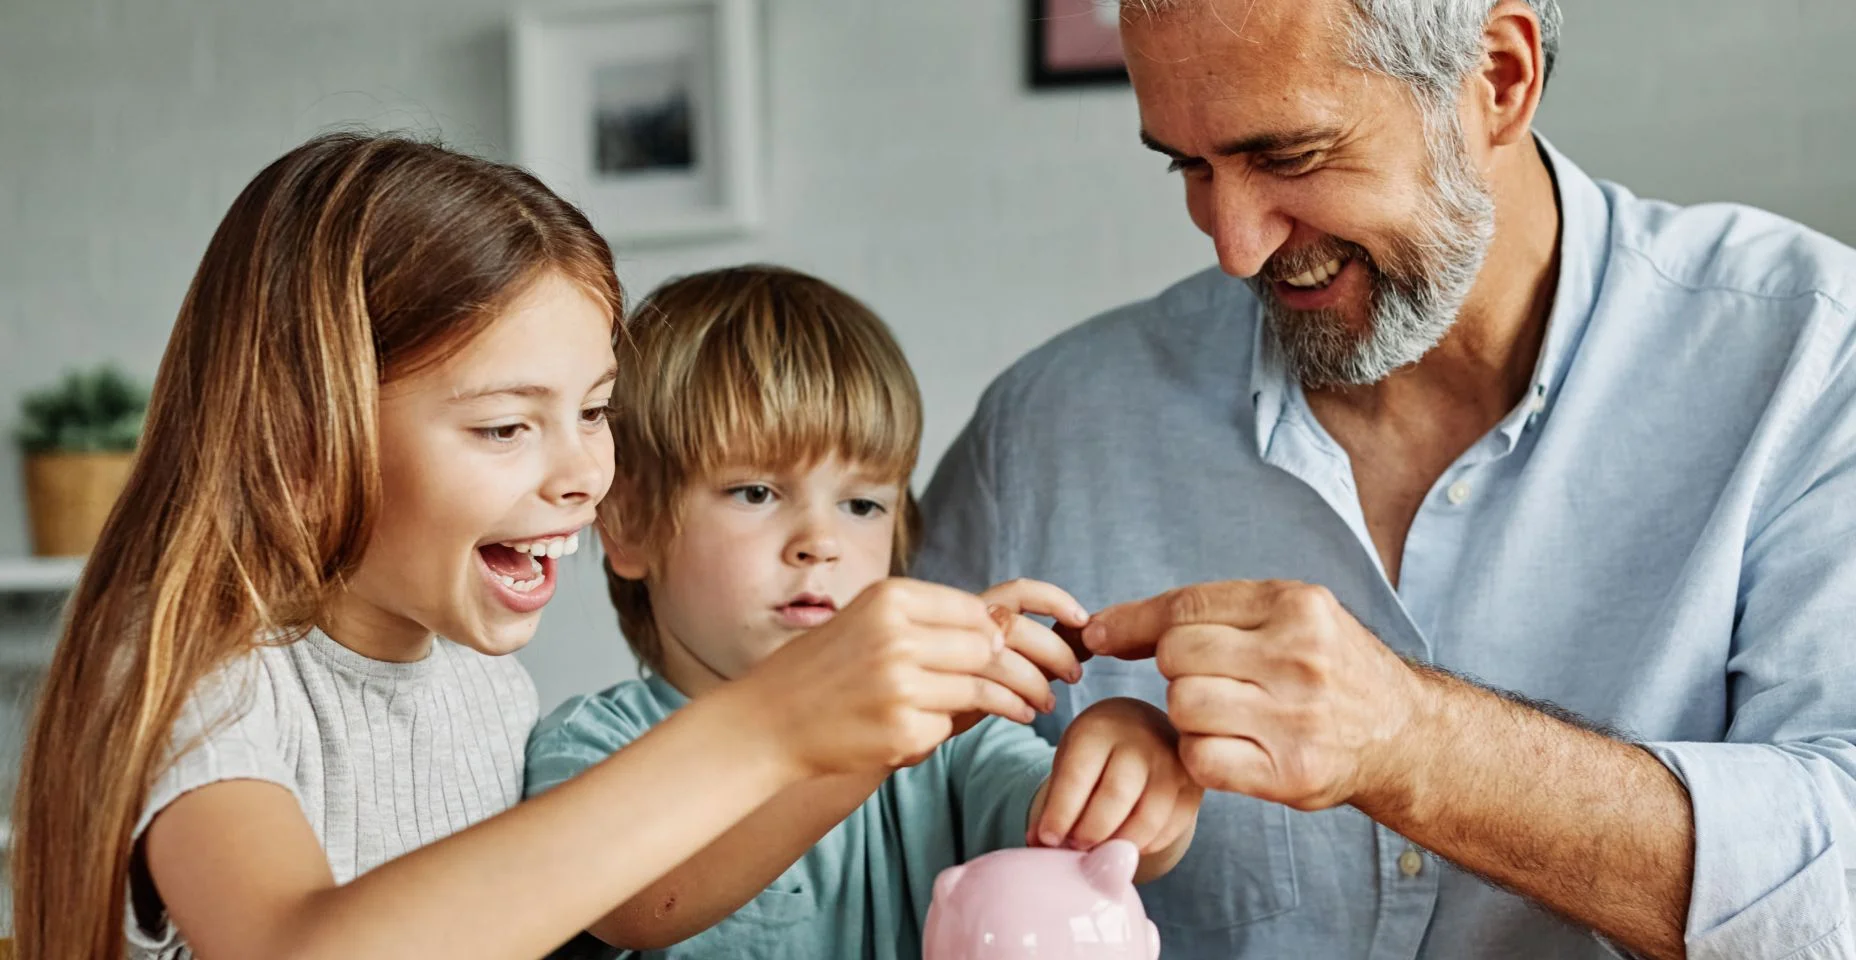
(1110, 867)
(945, 883)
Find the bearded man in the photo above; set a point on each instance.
(1488, 532)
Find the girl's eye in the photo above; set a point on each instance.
(865, 508)
(752, 494)
(505, 433)
(598, 414)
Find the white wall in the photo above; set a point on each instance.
(905, 161)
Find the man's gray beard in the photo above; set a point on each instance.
(1418, 286)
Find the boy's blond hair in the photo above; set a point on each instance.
(753, 365)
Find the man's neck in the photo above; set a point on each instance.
(1403, 433)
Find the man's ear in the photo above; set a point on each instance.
(1513, 73)
(623, 557)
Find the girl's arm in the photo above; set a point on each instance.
(242, 875)
(704, 890)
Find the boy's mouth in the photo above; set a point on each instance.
(521, 572)
(807, 610)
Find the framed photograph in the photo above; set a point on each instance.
(1075, 43)
(643, 112)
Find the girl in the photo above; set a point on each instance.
(279, 722)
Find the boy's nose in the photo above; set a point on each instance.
(812, 548)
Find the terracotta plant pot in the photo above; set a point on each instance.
(69, 495)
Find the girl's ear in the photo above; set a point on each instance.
(623, 557)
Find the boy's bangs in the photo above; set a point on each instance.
(794, 397)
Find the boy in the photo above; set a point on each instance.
(766, 426)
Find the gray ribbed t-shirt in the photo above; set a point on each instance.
(383, 757)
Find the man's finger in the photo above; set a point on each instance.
(1203, 649)
(1130, 631)
(1229, 764)
(1218, 706)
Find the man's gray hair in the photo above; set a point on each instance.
(1431, 45)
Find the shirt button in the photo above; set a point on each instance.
(1411, 863)
(1458, 492)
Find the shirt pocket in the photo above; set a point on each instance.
(1240, 869)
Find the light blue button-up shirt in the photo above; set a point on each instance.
(1660, 537)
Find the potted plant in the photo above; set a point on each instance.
(79, 441)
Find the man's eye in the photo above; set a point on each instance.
(1293, 164)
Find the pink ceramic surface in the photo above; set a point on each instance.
(1042, 904)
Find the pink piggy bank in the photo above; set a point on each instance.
(1043, 904)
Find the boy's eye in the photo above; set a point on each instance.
(504, 433)
(752, 494)
(865, 508)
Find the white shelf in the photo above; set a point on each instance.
(39, 574)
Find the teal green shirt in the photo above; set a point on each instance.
(863, 891)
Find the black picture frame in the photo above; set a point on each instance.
(1041, 75)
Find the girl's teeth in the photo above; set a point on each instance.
(520, 586)
(556, 548)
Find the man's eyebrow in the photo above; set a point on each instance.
(1148, 140)
(1273, 142)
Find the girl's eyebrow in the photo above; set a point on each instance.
(503, 390)
(524, 389)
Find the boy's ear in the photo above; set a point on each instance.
(623, 557)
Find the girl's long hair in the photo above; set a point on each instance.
(352, 260)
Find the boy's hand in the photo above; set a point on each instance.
(1118, 775)
(1034, 654)
(880, 684)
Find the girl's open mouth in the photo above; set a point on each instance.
(521, 573)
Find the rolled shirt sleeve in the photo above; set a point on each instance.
(1775, 805)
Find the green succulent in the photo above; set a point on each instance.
(98, 411)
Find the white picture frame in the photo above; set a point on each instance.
(642, 112)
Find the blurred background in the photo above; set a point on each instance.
(902, 154)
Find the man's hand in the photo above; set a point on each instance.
(1276, 690)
